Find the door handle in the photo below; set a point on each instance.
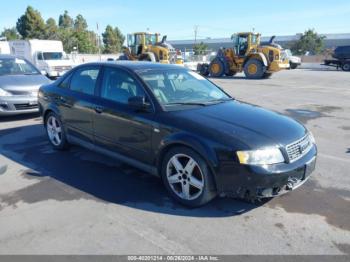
(98, 109)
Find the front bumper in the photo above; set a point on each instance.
(276, 66)
(260, 182)
(56, 73)
(13, 105)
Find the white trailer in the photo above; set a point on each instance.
(47, 55)
(4, 48)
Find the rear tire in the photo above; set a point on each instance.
(254, 69)
(203, 69)
(55, 132)
(216, 68)
(187, 177)
(346, 67)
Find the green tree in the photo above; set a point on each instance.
(199, 49)
(65, 21)
(31, 24)
(10, 33)
(310, 41)
(68, 39)
(51, 29)
(80, 23)
(85, 40)
(113, 40)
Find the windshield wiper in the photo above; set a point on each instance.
(221, 100)
(186, 103)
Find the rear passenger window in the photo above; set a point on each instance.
(84, 80)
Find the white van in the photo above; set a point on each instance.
(47, 55)
(4, 48)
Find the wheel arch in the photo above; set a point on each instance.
(48, 110)
(184, 140)
(260, 56)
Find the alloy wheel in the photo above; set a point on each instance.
(54, 130)
(185, 177)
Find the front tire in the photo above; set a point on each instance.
(254, 69)
(55, 132)
(216, 68)
(293, 66)
(187, 177)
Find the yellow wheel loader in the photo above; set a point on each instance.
(144, 46)
(248, 56)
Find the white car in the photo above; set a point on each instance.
(294, 61)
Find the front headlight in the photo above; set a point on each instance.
(267, 156)
(312, 138)
(4, 93)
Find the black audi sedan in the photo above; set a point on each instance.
(175, 124)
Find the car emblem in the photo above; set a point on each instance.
(303, 147)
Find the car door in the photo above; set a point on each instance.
(76, 102)
(117, 126)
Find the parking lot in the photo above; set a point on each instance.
(79, 202)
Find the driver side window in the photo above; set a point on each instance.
(119, 86)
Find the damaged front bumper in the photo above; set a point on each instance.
(254, 182)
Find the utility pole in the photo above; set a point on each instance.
(98, 41)
(195, 33)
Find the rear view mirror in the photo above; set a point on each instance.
(139, 103)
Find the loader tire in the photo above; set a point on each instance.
(203, 69)
(216, 68)
(254, 69)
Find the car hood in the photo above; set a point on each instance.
(251, 125)
(295, 59)
(21, 82)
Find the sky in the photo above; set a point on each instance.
(178, 18)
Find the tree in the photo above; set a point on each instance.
(199, 49)
(31, 24)
(10, 33)
(51, 29)
(113, 40)
(80, 23)
(65, 21)
(310, 41)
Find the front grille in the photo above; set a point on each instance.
(23, 93)
(26, 106)
(299, 148)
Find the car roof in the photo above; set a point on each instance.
(136, 65)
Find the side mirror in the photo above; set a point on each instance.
(43, 72)
(139, 103)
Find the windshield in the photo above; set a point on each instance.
(15, 66)
(288, 52)
(178, 86)
(151, 39)
(52, 55)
